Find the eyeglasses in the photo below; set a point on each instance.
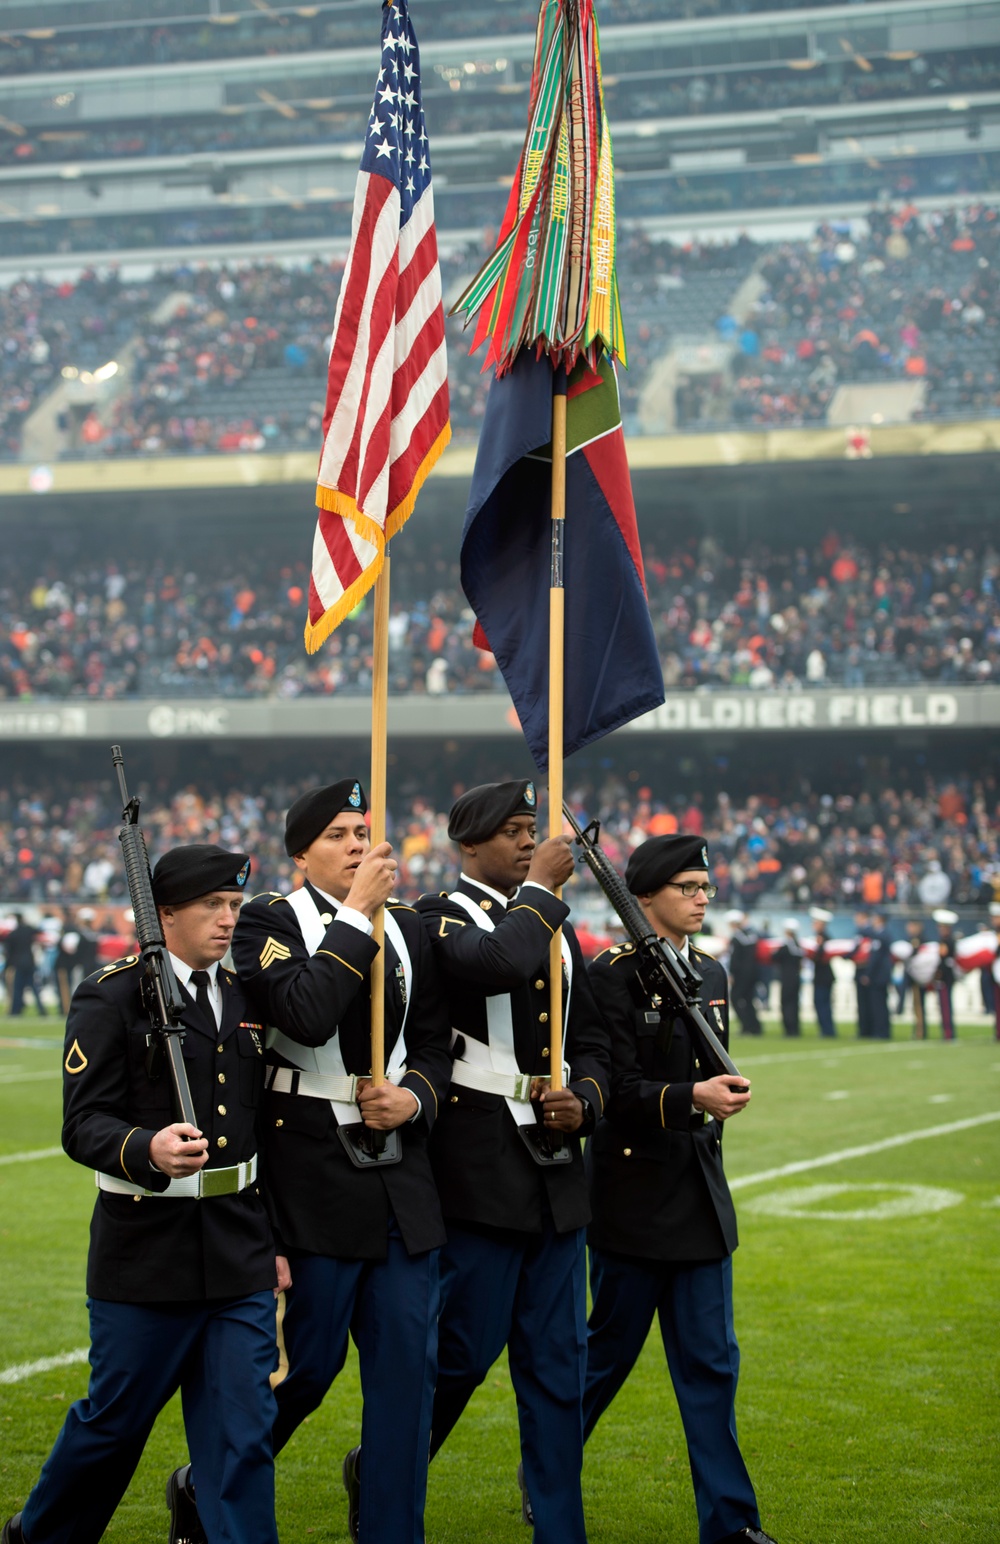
(690, 888)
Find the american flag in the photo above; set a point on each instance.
(386, 419)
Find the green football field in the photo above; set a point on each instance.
(867, 1179)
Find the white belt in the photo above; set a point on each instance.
(201, 1186)
(316, 1085)
(485, 1081)
(322, 1085)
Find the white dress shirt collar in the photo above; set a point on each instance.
(497, 895)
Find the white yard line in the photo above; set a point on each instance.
(30, 1077)
(22, 1370)
(38, 1152)
(834, 1052)
(803, 1165)
(21, 1043)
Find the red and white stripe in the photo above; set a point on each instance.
(386, 417)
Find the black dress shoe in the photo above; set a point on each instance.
(351, 1474)
(11, 1531)
(185, 1524)
(749, 1535)
(527, 1515)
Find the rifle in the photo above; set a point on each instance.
(663, 971)
(161, 993)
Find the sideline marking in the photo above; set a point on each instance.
(39, 1152)
(804, 1164)
(22, 1370)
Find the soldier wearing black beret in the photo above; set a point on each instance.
(362, 1243)
(181, 1274)
(513, 1268)
(664, 1228)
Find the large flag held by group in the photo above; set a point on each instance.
(386, 419)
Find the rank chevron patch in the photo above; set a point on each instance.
(75, 1059)
(273, 950)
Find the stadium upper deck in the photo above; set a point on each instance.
(245, 127)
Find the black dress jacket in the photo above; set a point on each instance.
(484, 1171)
(164, 1248)
(744, 966)
(317, 1198)
(657, 1185)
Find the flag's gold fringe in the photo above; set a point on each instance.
(398, 517)
(338, 503)
(316, 633)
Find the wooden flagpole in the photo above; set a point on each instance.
(377, 794)
(557, 660)
(366, 1146)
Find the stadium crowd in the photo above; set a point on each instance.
(233, 357)
(237, 359)
(842, 613)
(918, 846)
(916, 298)
(639, 194)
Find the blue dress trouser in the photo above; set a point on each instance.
(220, 1355)
(695, 1308)
(880, 1027)
(528, 1292)
(390, 1307)
(823, 1004)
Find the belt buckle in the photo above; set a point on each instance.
(355, 1078)
(218, 1182)
(522, 1087)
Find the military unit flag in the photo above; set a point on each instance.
(613, 669)
(386, 419)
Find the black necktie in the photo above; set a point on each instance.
(199, 979)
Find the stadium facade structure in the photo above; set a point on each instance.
(55, 216)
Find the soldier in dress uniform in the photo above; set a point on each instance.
(744, 971)
(788, 958)
(862, 985)
(664, 1228)
(947, 972)
(363, 1243)
(513, 1271)
(877, 971)
(181, 1274)
(822, 971)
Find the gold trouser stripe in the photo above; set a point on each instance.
(663, 1121)
(523, 906)
(430, 1085)
(341, 962)
(596, 1085)
(121, 1155)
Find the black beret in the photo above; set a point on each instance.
(187, 872)
(480, 812)
(655, 862)
(310, 815)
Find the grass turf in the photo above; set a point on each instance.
(868, 1396)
